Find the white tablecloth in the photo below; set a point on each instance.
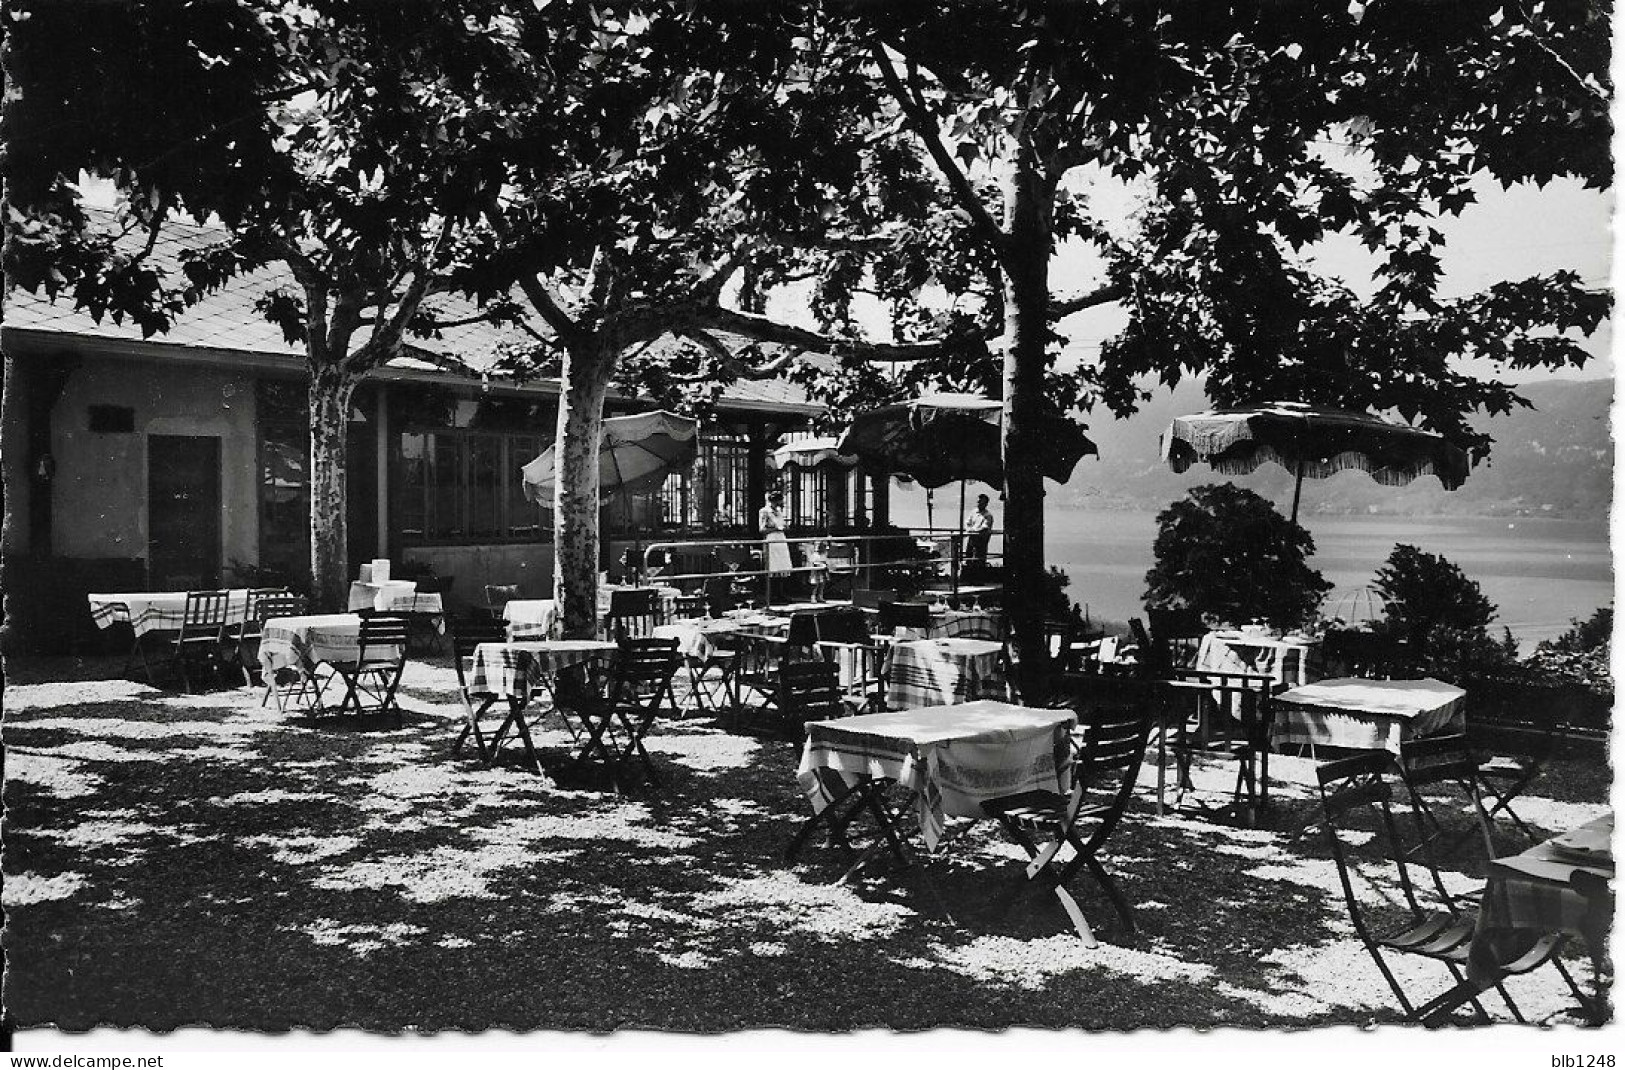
(1367, 714)
(1291, 662)
(694, 636)
(156, 611)
(302, 643)
(394, 596)
(953, 757)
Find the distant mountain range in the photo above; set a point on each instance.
(1555, 459)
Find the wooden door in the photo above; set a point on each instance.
(183, 512)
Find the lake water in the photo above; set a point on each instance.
(1538, 573)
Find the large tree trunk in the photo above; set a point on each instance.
(330, 393)
(1027, 214)
(588, 367)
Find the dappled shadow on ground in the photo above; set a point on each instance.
(174, 860)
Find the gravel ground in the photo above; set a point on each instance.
(173, 860)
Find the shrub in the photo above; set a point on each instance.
(1442, 613)
(1230, 555)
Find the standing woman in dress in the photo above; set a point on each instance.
(776, 546)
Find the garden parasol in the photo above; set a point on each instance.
(1311, 441)
(635, 453)
(936, 439)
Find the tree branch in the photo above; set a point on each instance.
(925, 125)
(539, 294)
(763, 329)
(730, 363)
(1062, 307)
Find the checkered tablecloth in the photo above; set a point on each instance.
(953, 758)
(694, 637)
(156, 611)
(1290, 662)
(537, 618)
(516, 670)
(1367, 714)
(942, 672)
(302, 643)
(1533, 894)
(531, 618)
(965, 624)
(397, 596)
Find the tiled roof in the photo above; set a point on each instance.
(227, 320)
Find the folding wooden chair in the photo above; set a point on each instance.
(375, 674)
(640, 690)
(809, 691)
(719, 595)
(1231, 717)
(844, 641)
(1443, 760)
(1356, 801)
(755, 676)
(1114, 722)
(632, 614)
(497, 597)
(1503, 777)
(202, 634)
(465, 637)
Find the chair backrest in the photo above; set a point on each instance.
(845, 625)
(973, 626)
(1246, 696)
(1114, 721)
(383, 630)
(204, 614)
(1356, 799)
(803, 630)
(810, 691)
(468, 633)
(277, 605)
(872, 598)
(1178, 631)
(498, 595)
(642, 670)
(894, 615)
(633, 614)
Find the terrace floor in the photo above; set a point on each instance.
(173, 860)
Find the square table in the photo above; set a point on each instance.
(949, 758)
(1536, 894)
(1291, 661)
(694, 637)
(156, 611)
(515, 672)
(1362, 714)
(299, 645)
(942, 672)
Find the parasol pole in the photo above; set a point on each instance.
(1297, 488)
(637, 552)
(960, 539)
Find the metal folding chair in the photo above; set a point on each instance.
(243, 642)
(844, 641)
(1231, 717)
